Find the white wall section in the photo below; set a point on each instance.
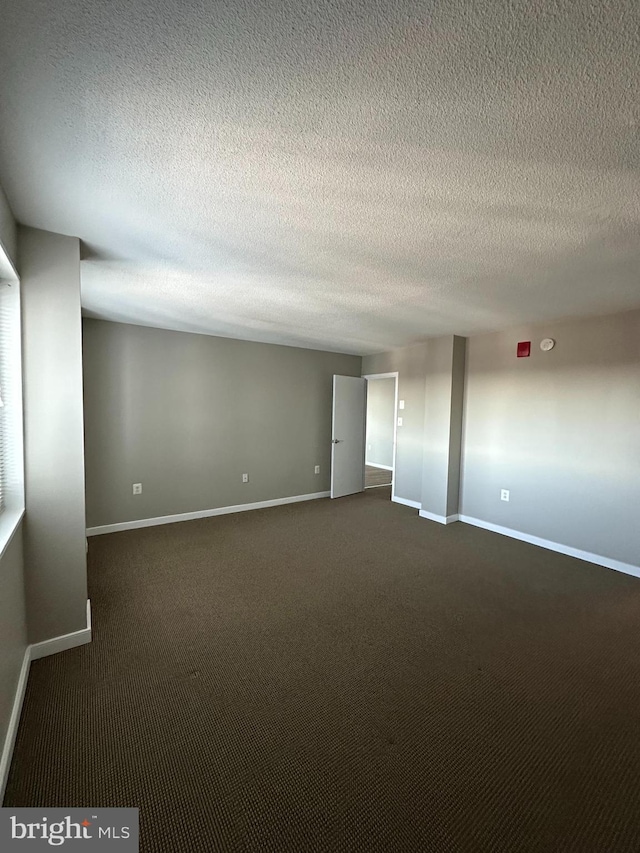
(55, 559)
(381, 412)
(411, 365)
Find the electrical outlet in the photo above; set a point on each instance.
(317, 469)
(504, 494)
(245, 478)
(399, 421)
(137, 488)
(401, 404)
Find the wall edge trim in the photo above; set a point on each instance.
(406, 502)
(441, 519)
(587, 556)
(32, 652)
(14, 722)
(201, 513)
(64, 642)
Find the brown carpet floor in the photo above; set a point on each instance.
(344, 676)
(376, 477)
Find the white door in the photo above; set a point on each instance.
(347, 435)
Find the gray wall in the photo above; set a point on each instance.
(458, 373)
(444, 383)
(13, 629)
(8, 231)
(430, 381)
(561, 431)
(54, 528)
(381, 400)
(186, 415)
(13, 623)
(410, 362)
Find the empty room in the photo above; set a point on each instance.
(320, 426)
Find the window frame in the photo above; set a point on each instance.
(12, 414)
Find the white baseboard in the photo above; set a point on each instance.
(64, 642)
(60, 644)
(588, 557)
(31, 653)
(405, 502)
(201, 513)
(14, 721)
(441, 519)
(377, 465)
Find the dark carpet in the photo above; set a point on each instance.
(376, 477)
(344, 676)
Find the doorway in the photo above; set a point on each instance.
(381, 428)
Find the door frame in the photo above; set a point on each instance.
(393, 375)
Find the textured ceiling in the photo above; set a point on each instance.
(348, 176)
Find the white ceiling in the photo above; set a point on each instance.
(350, 176)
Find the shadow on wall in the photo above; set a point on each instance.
(560, 430)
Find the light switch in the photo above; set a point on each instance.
(399, 421)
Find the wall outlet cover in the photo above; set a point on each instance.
(317, 469)
(504, 494)
(137, 488)
(245, 478)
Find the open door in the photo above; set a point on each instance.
(347, 435)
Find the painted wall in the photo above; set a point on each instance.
(561, 431)
(186, 415)
(8, 230)
(13, 633)
(54, 528)
(444, 385)
(381, 406)
(410, 362)
(458, 373)
(13, 622)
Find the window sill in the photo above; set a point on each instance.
(10, 521)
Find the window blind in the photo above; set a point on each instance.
(10, 394)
